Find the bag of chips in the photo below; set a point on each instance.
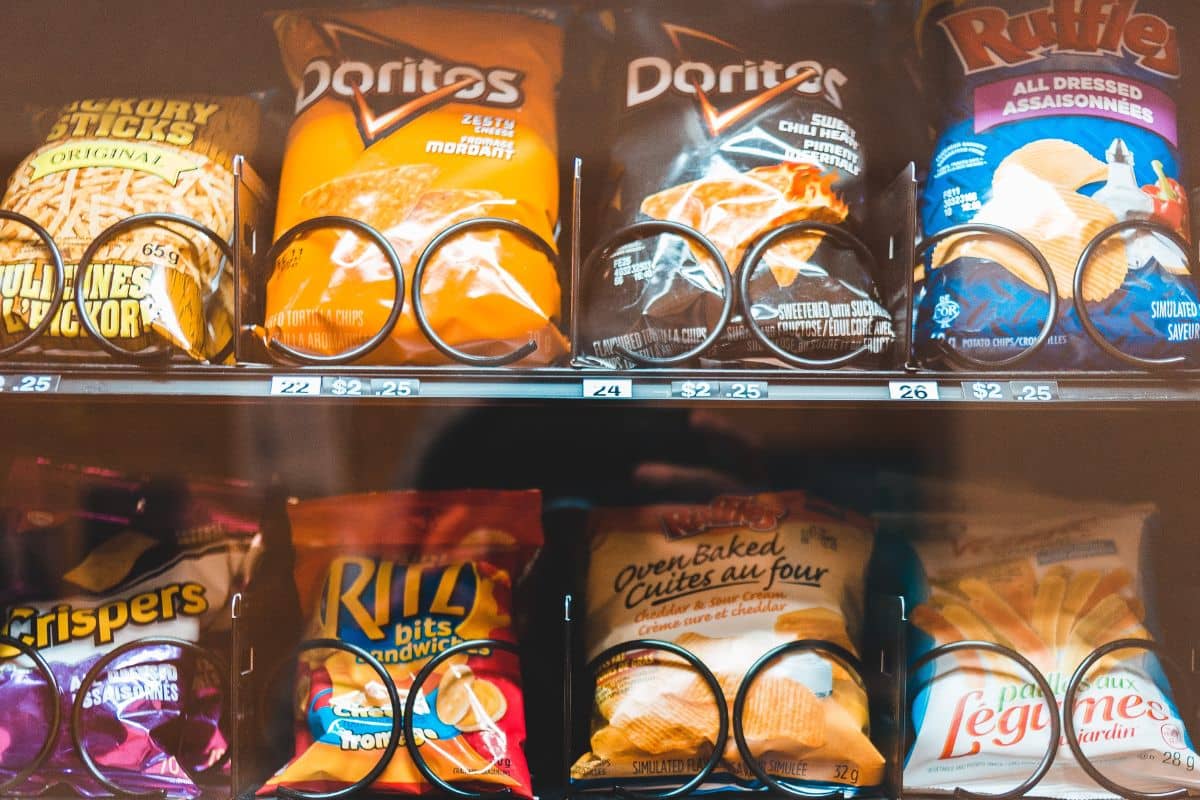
(91, 561)
(728, 582)
(103, 160)
(1059, 120)
(405, 576)
(1054, 581)
(735, 122)
(413, 119)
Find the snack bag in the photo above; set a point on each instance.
(1060, 120)
(405, 576)
(734, 122)
(94, 560)
(1053, 581)
(728, 582)
(103, 160)
(413, 119)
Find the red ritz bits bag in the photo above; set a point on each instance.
(405, 576)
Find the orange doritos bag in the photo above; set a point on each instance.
(413, 119)
(405, 576)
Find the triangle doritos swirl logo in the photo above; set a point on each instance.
(389, 83)
(709, 69)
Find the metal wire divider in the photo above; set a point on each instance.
(284, 354)
(52, 691)
(75, 727)
(402, 713)
(79, 741)
(247, 220)
(728, 723)
(1047, 761)
(1070, 733)
(927, 246)
(241, 245)
(735, 292)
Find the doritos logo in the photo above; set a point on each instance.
(389, 83)
(702, 69)
(990, 37)
(724, 512)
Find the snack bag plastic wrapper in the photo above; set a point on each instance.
(728, 582)
(398, 125)
(1061, 118)
(1053, 581)
(405, 576)
(733, 121)
(94, 560)
(105, 159)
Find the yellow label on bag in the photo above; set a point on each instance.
(147, 158)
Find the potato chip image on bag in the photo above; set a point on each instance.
(398, 126)
(405, 576)
(728, 582)
(1053, 581)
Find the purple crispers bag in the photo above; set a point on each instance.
(91, 560)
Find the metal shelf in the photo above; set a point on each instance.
(669, 387)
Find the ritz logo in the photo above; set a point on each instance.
(396, 605)
(650, 77)
(946, 311)
(990, 37)
(389, 84)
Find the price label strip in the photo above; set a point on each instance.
(1011, 391)
(31, 384)
(745, 390)
(395, 387)
(1035, 391)
(986, 391)
(695, 390)
(345, 387)
(725, 390)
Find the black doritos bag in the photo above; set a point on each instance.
(734, 120)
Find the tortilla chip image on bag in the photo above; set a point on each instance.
(399, 126)
(102, 160)
(93, 561)
(1053, 581)
(1058, 121)
(728, 582)
(406, 576)
(734, 123)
